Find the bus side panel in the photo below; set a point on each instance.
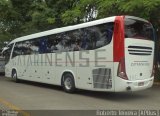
(47, 69)
(8, 68)
(96, 75)
(102, 69)
(25, 67)
(64, 62)
(84, 79)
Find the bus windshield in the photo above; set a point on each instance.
(138, 29)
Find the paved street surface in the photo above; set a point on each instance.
(35, 96)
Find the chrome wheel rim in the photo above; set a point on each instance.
(14, 75)
(68, 83)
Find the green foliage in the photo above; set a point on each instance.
(108, 8)
(71, 16)
(19, 17)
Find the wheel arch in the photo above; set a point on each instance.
(13, 69)
(65, 72)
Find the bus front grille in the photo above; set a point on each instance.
(102, 78)
(139, 50)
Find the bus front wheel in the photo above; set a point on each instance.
(68, 83)
(14, 76)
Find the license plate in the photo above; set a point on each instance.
(140, 83)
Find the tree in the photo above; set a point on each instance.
(8, 21)
(20, 18)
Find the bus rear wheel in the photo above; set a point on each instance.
(68, 83)
(14, 76)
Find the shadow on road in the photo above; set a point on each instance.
(121, 96)
(1, 74)
(113, 96)
(38, 84)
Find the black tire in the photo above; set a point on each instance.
(14, 76)
(68, 83)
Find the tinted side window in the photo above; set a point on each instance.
(64, 42)
(57, 42)
(26, 48)
(17, 49)
(43, 45)
(74, 41)
(98, 36)
(81, 39)
(30, 47)
(138, 29)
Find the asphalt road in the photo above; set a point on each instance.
(35, 96)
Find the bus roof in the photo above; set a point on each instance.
(69, 28)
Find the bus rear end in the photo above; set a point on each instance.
(133, 54)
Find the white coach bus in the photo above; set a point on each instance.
(111, 54)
